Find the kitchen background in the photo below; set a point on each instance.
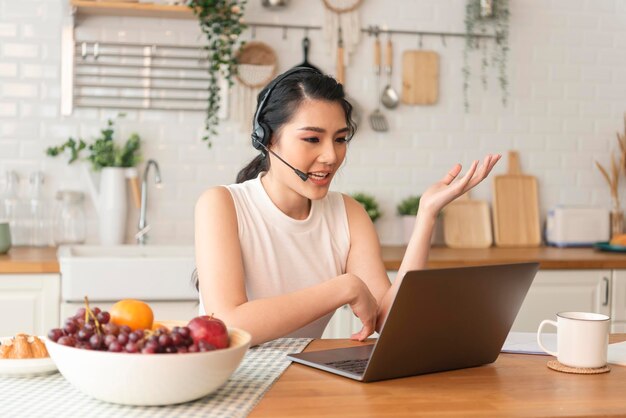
(567, 100)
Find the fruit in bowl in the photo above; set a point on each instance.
(158, 366)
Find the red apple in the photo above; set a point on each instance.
(209, 329)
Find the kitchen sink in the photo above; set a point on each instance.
(109, 273)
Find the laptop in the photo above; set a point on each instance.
(440, 319)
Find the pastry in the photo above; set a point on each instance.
(23, 346)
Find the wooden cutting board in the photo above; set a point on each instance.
(467, 224)
(516, 207)
(420, 77)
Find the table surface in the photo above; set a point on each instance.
(515, 385)
(44, 260)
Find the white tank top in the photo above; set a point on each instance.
(281, 254)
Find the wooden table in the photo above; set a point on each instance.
(514, 386)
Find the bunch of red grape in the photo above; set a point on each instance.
(91, 329)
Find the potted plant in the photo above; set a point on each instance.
(407, 209)
(222, 23)
(369, 203)
(116, 164)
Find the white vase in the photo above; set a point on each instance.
(111, 203)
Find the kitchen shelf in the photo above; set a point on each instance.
(112, 8)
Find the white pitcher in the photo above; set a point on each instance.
(111, 202)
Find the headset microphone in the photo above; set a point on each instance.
(261, 131)
(300, 174)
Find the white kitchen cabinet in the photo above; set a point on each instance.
(556, 291)
(163, 310)
(344, 323)
(618, 301)
(29, 303)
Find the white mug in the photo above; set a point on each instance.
(582, 338)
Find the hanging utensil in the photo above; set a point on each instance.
(306, 43)
(378, 122)
(341, 78)
(390, 97)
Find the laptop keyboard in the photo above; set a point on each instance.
(351, 366)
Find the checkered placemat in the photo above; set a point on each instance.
(53, 396)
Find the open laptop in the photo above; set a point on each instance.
(440, 319)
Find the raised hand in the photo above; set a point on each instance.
(446, 190)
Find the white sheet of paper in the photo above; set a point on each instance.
(617, 353)
(526, 343)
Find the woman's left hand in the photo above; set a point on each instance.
(444, 191)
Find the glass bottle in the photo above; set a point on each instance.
(38, 223)
(70, 218)
(11, 207)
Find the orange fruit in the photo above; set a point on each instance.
(134, 313)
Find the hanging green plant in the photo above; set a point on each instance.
(483, 16)
(222, 23)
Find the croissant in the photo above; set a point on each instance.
(23, 346)
(38, 348)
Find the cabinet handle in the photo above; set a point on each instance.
(606, 292)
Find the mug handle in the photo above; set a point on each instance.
(545, 322)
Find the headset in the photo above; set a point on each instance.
(261, 131)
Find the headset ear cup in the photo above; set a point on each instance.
(257, 138)
(266, 133)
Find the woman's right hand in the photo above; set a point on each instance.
(363, 305)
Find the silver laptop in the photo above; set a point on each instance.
(440, 319)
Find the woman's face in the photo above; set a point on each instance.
(313, 141)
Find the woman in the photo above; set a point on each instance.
(277, 253)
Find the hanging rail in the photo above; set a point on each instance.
(373, 28)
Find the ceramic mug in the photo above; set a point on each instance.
(582, 338)
(5, 237)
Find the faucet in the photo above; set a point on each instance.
(141, 234)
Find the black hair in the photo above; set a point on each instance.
(283, 102)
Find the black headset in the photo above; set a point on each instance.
(261, 131)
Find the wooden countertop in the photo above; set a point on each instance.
(548, 257)
(515, 385)
(29, 260)
(43, 260)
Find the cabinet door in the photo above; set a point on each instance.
(618, 302)
(29, 303)
(556, 291)
(340, 324)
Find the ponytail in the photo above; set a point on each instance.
(252, 170)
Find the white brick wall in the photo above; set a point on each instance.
(567, 83)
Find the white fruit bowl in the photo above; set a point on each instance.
(149, 379)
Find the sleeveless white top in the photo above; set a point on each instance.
(281, 254)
